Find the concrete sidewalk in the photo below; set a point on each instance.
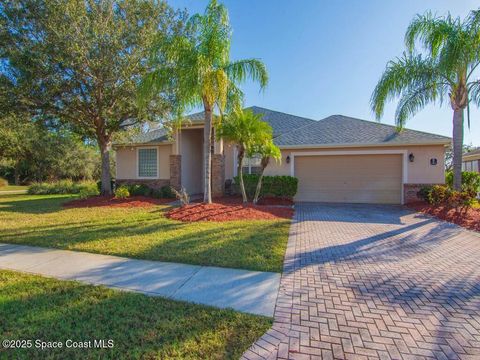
(247, 291)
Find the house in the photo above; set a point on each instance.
(337, 159)
(471, 161)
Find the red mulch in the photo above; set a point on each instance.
(133, 201)
(467, 218)
(228, 209)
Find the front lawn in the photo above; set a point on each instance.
(13, 188)
(33, 307)
(142, 233)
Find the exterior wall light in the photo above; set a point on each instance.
(433, 161)
(411, 157)
(288, 159)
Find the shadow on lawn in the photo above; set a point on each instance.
(140, 326)
(33, 204)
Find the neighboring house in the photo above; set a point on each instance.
(337, 159)
(471, 161)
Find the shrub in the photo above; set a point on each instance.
(122, 192)
(62, 187)
(470, 181)
(424, 193)
(166, 192)
(438, 194)
(139, 190)
(3, 182)
(87, 189)
(277, 186)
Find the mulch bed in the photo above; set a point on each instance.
(467, 218)
(133, 201)
(229, 209)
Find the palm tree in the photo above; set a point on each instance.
(446, 69)
(246, 130)
(196, 66)
(267, 150)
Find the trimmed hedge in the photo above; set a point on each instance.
(64, 187)
(144, 190)
(276, 186)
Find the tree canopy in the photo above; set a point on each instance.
(80, 61)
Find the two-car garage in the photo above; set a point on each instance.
(349, 178)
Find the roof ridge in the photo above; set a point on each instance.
(279, 112)
(299, 128)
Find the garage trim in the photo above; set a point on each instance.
(358, 152)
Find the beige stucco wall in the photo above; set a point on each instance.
(419, 172)
(126, 162)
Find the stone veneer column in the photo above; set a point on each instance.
(218, 175)
(176, 171)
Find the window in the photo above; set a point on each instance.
(252, 165)
(147, 162)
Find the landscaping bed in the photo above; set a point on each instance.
(466, 217)
(110, 201)
(140, 326)
(229, 209)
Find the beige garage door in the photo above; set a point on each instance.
(375, 179)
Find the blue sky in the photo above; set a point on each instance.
(325, 57)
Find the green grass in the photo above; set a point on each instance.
(13, 188)
(33, 307)
(142, 233)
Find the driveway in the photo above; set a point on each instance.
(367, 281)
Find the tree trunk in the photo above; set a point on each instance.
(457, 148)
(16, 173)
(207, 155)
(260, 178)
(241, 154)
(106, 178)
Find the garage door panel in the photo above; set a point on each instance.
(352, 178)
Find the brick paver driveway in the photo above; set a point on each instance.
(365, 281)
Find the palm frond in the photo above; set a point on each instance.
(415, 99)
(255, 69)
(402, 75)
(431, 31)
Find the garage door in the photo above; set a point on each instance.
(349, 178)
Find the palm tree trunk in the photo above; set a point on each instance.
(207, 155)
(260, 179)
(457, 148)
(241, 154)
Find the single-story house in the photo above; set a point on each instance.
(337, 159)
(471, 161)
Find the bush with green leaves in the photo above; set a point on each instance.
(139, 190)
(470, 181)
(3, 182)
(444, 195)
(277, 186)
(122, 192)
(88, 190)
(166, 192)
(63, 187)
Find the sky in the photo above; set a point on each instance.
(325, 57)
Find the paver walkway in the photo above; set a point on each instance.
(375, 282)
(248, 291)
